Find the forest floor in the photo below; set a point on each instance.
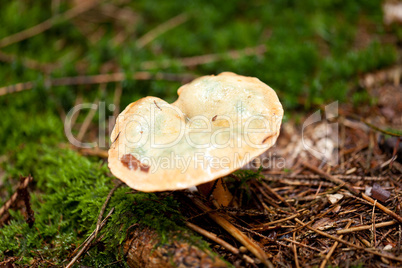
(327, 194)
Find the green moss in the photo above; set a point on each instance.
(70, 193)
(69, 190)
(310, 44)
(311, 59)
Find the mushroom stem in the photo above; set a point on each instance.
(219, 191)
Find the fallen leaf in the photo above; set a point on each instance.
(333, 198)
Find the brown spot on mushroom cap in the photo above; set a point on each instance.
(207, 96)
(133, 163)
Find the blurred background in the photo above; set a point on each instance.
(55, 54)
(310, 52)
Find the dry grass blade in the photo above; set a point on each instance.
(47, 24)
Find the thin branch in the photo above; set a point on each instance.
(386, 132)
(331, 251)
(22, 185)
(236, 233)
(204, 59)
(391, 257)
(383, 208)
(28, 63)
(295, 251)
(298, 228)
(116, 99)
(47, 24)
(373, 230)
(270, 190)
(87, 121)
(301, 244)
(213, 237)
(92, 152)
(330, 177)
(161, 29)
(88, 241)
(270, 177)
(77, 102)
(96, 79)
(365, 227)
(102, 211)
(277, 221)
(24, 195)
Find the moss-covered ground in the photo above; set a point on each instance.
(315, 53)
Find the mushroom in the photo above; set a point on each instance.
(217, 125)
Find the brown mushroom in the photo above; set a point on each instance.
(217, 125)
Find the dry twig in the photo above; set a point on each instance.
(383, 208)
(47, 24)
(388, 256)
(28, 63)
(330, 177)
(331, 251)
(241, 237)
(96, 79)
(22, 186)
(98, 224)
(204, 59)
(277, 196)
(87, 121)
(89, 240)
(295, 251)
(160, 29)
(116, 99)
(277, 221)
(213, 237)
(365, 227)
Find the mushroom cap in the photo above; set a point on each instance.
(217, 125)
